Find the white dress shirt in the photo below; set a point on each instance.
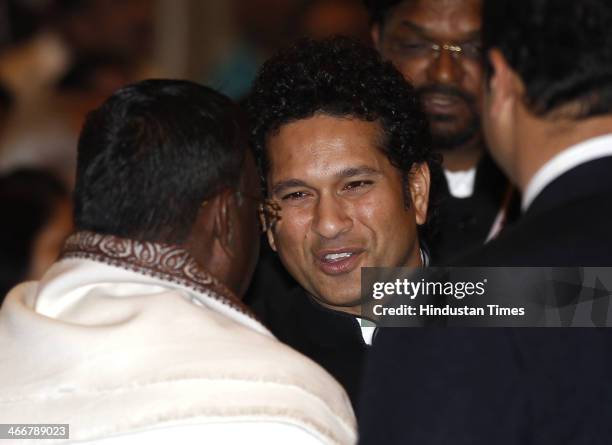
(461, 183)
(589, 150)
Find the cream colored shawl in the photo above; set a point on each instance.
(123, 336)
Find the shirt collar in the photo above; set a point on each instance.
(461, 183)
(166, 262)
(367, 327)
(565, 161)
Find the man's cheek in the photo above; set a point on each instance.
(474, 86)
(373, 222)
(289, 238)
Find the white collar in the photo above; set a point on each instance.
(565, 161)
(367, 330)
(367, 327)
(461, 183)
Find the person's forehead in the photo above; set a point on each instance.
(448, 18)
(323, 144)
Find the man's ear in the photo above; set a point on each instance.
(271, 240)
(375, 34)
(224, 224)
(506, 88)
(419, 182)
(264, 221)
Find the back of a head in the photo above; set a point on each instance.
(559, 48)
(149, 157)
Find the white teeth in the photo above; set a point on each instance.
(337, 256)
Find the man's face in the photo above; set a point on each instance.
(448, 77)
(342, 206)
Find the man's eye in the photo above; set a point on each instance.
(412, 48)
(294, 196)
(357, 185)
(472, 50)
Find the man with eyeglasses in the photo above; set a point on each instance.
(436, 45)
(548, 122)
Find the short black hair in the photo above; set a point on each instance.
(379, 9)
(559, 48)
(151, 154)
(340, 77)
(29, 198)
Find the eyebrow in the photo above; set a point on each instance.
(350, 172)
(281, 186)
(413, 26)
(473, 35)
(357, 171)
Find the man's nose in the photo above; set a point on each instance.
(331, 218)
(445, 68)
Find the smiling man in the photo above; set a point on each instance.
(436, 44)
(344, 152)
(342, 206)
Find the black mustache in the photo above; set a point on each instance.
(447, 90)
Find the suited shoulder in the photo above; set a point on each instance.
(575, 234)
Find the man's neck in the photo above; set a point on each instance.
(552, 138)
(350, 310)
(464, 157)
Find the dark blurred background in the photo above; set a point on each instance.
(60, 58)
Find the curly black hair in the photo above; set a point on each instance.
(341, 77)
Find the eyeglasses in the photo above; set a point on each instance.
(469, 50)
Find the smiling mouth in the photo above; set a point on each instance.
(339, 262)
(333, 257)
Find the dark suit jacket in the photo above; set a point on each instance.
(507, 386)
(463, 224)
(332, 339)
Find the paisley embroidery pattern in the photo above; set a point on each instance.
(158, 260)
